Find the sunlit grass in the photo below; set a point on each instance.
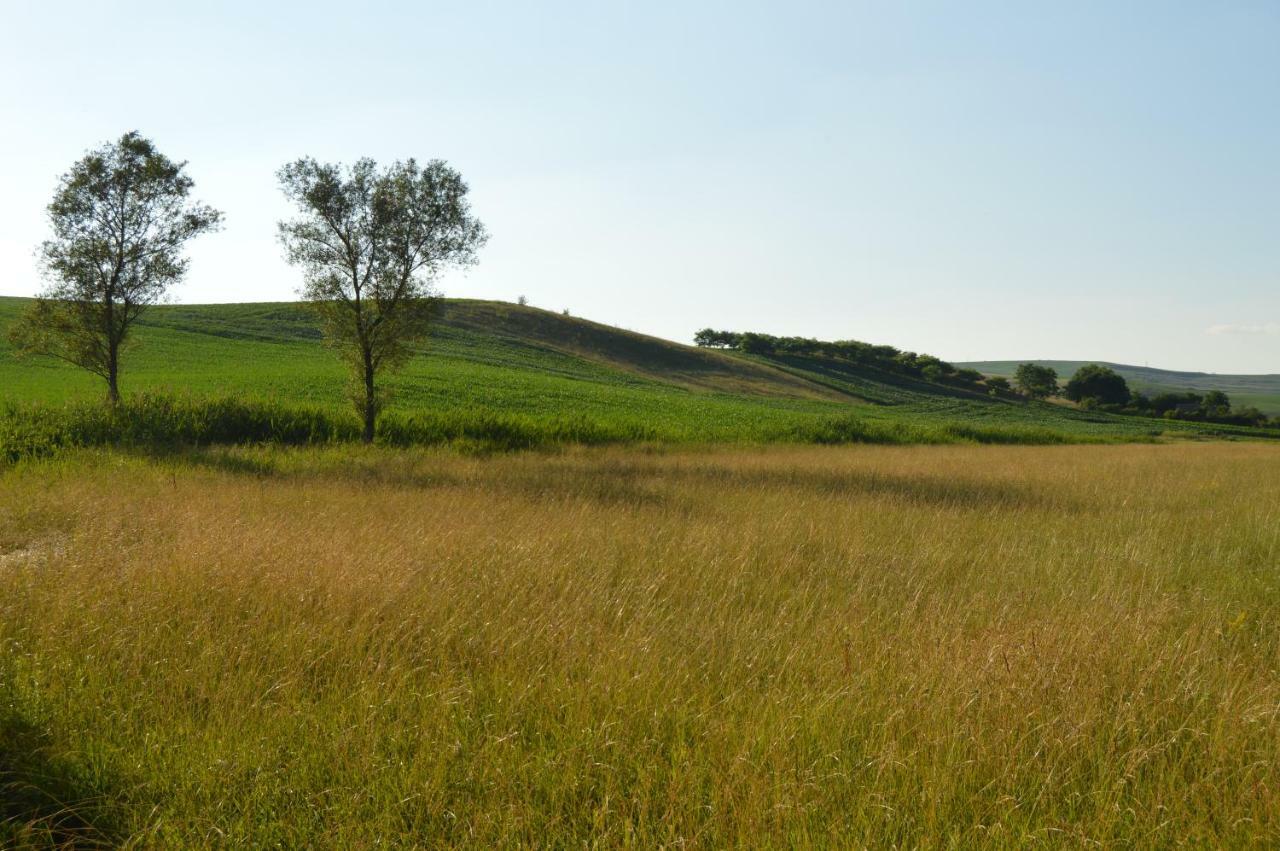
(871, 646)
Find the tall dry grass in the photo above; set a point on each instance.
(910, 647)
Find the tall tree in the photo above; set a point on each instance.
(1038, 382)
(370, 243)
(120, 219)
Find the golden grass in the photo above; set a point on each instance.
(910, 647)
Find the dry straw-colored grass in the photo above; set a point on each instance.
(908, 647)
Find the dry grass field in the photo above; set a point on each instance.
(872, 646)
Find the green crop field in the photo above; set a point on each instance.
(497, 359)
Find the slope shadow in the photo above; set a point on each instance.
(859, 379)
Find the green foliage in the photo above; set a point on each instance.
(709, 338)
(120, 219)
(1038, 382)
(755, 344)
(369, 243)
(1216, 404)
(1100, 383)
(35, 430)
(886, 358)
(1259, 391)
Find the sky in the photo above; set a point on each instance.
(1085, 180)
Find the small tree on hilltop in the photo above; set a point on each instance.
(120, 220)
(1036, 381)
(713, 339)
(707, 338)
(370, 243)
(1097, 382)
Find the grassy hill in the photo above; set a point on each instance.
(1260, 391)
(506, 359)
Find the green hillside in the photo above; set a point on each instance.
(1260, 391)
(503, 359)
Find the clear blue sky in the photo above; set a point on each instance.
(974, 180)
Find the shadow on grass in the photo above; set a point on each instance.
(616, 482)
(610, 484)
(351, 469)
(941, 491)
(45, 801)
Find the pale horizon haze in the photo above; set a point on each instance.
(1085, 181)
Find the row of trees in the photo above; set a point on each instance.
(886, 358)
(1101, 387)
(1092, 386)
(369, 241)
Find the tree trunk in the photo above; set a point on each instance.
(370, 402)
(113, 375)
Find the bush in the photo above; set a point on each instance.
(163, 422)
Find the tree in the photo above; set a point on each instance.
(1099, 383)
(997, 384)
(1216, 404)
(370, 243)
(1170, 403)
(120, 219)
(709, 338)
(756, 344)
(1036, 381)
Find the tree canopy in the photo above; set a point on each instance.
(370, 243)
(120, 219)
(1100, 383)
(1036, 381)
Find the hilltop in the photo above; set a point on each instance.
(1260, 391)
(507, 359)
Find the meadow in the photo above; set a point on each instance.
(880, 646)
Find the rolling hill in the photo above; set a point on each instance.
(506, 359)
(1260, 391)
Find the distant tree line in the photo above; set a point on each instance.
(1093, 386)
(887, 358)
(1098, 387)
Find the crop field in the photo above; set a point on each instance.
(929, 646)
(489, 360)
